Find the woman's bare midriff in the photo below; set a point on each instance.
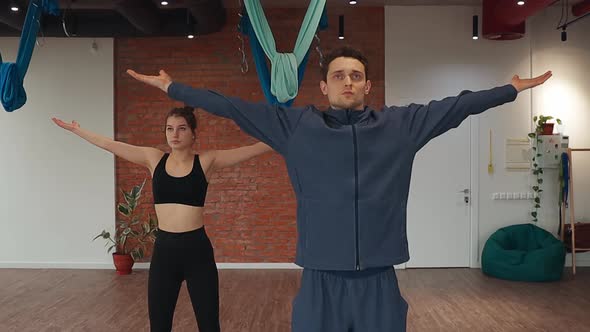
(178, 218)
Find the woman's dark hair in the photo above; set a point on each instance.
(187, 113)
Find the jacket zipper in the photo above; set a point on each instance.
(356, 201)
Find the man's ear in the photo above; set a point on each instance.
(324, 87)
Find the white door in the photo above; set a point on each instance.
(438, 223)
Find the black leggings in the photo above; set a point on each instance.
(177, 257)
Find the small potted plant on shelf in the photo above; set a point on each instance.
(542, 127)
(130, 227)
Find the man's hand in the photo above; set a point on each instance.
(523, 84)
(161, 81)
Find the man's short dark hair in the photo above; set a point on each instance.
(346, 52)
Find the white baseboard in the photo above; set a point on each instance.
(278, 266)
(109, 266)
(241, 266)
(581, 260)
(55, 265)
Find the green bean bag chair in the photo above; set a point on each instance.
(523, 253)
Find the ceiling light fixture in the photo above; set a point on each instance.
(341, 27)
(475, 35)
(14, 7)
(190, 27)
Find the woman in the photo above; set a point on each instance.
(182, 250)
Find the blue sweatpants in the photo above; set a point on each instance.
(364, 301)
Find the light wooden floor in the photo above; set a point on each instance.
(260, 300)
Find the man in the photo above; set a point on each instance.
(350, 167)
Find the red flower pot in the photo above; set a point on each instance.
(548, 128)
(123, 263)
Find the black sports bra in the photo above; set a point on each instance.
(188, 190)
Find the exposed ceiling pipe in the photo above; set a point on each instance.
(142, 14)
(209, 15)
(13, 20)
(581, 8)
(123, 18)
(505, 20)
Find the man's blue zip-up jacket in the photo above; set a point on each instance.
(350, 169)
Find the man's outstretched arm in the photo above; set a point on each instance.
(271, 124)
(425, 122)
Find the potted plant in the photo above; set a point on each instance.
(131, 226)
(542, 127)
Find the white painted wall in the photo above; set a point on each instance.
(56, 190)
(430, 55)
(568, 98)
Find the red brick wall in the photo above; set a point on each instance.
(250, 208)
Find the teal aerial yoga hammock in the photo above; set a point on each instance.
(260, 59)
(284, 83)
(12, 75)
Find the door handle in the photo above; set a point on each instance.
(465, 192)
